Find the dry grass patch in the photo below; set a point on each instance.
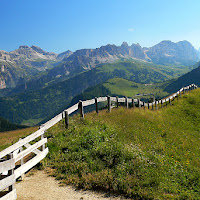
(10, 137)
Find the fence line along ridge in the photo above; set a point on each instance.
(36, 142)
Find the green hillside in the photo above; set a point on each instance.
(142, 154)
(5, 125)
(187, 79)
(31, 108)
(122, 87)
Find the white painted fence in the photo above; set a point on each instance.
(19, 151)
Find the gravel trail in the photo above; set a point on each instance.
(40, 186)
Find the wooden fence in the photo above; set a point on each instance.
(17, 159)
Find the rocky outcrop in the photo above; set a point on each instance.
(167, 52)
(90, 58)
(63, 55)
(31, 53)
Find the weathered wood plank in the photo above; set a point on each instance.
(10, 196)
(16, 151)
(121, 100)
(102, 99)
(22, 142)
(31, 163)
(30, 149)
(6, 182)
(113, 99)
(52, 122)
(129, 100)
(36, 151)
(88, 102)
(7, 165)
(72, 109)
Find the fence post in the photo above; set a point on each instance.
(156, 107)
(109, 103)
(126, 102)
(133, 104)
(180, 93)
(152, 105)
(96, 103)
(80, 105)
(66, 119)
(139, 106)
(10, 172)
(42, 137)
(22, 160)
(20, 150)
(143, 105)
(170, 101)
(148, 106)
(161, 103)
(117, 100)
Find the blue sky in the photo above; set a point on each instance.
(60, 25)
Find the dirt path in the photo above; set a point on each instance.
(40, 186)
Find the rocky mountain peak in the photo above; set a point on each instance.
(124, 44)
(38, 49)
(65, 54)
(168, 52)
(24, 47)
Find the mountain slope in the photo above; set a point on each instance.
(29, 61)
(5, 125)
(167, 52)
(164, 53)
(186, 79)
(122, 87)
(32, 107)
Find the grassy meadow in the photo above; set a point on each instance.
(129, 88)
(10, 137)
(142, 154)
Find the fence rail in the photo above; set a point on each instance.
(20, 151)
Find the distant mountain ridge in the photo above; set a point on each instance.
(167, 52)
(20, 66)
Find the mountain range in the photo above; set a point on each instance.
(36, 85)
(44, 68)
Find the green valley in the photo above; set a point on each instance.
(31, 108)
(123, 87)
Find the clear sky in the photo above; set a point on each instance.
(59, 25)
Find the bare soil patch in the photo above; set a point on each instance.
(38, 185)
